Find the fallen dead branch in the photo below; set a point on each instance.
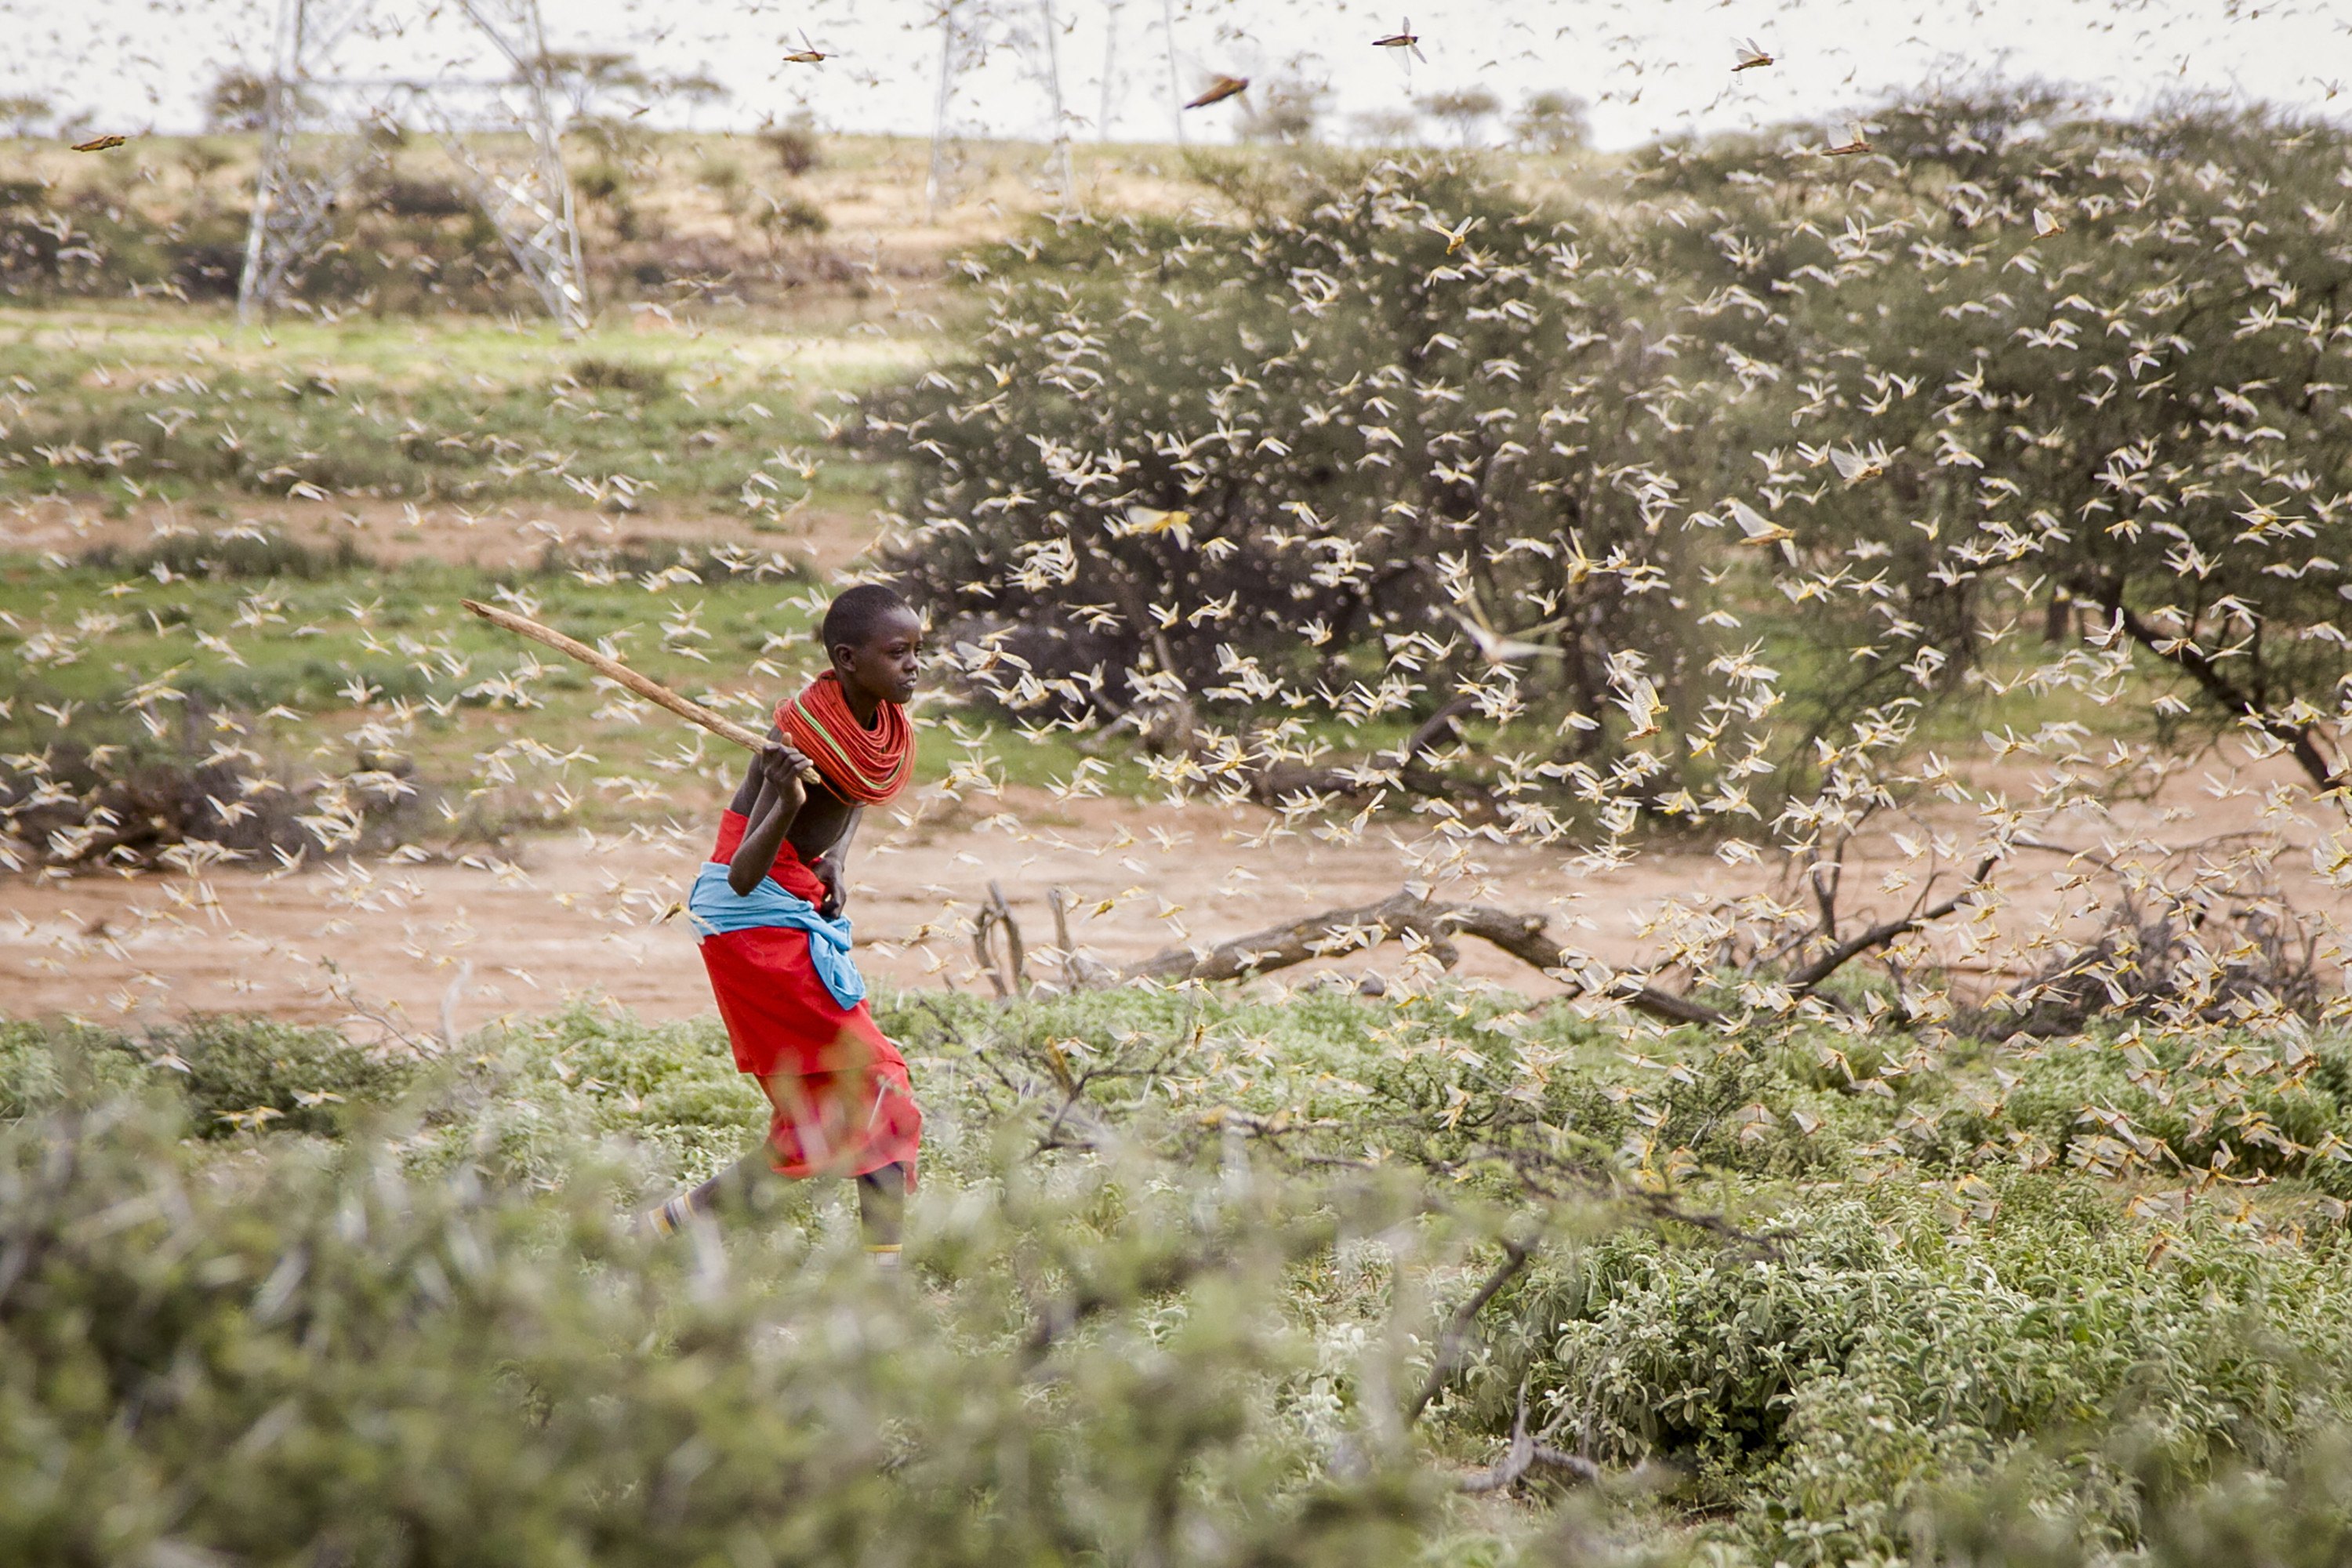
(1526, 937)
(2224, 951)
(1522, 936)
(1525, 1454)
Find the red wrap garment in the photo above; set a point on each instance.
(843, 1104)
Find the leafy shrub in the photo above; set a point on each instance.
(1894, 1344)
(2067, 358)
(174, 802)
(2298, 1516)
(796, 214)
(311, 1079)
(1208, 1207)
(233, 555)
(1173, 447)
(619, 375)
(423, 198)
(796, 148)
(43, 1068)
(228, 1073)
(532, 1103)
(327, 1358)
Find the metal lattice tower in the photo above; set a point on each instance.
(316, 141)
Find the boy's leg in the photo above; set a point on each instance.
(731, 1189)
(882, 1208)
(881, 1200)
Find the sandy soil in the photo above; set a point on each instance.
(390, 944)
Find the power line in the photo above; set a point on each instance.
(322, 128)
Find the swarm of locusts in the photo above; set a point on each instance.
(1808, 508)
(1934, 523)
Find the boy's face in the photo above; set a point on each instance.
(883, 666)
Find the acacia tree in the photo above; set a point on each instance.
(585, 78)
(25, 114)
(1285, 111)
(2078, 379)
(1691, 508)
(1551, 121)
(1393, 450)
(1466, 109)
(239, 100)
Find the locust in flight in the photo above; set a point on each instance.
(1220, 90)
(1405, 37)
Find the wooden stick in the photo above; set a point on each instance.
(693, 713)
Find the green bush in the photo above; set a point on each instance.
(230, 1073)
(1893, 1343)
(1176, 1258)
(43, 1068)
(233, 556)
(1363, 429)
(2032, 407)
(307, 1355)
(2071, 361)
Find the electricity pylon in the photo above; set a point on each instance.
(320, 130)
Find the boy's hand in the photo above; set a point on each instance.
(828, 872)
(783, 765)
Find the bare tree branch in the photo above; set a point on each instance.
(1011, 977)
(1448, 1359)
(1854, 947)
(2178, 651)
(1524, 1455)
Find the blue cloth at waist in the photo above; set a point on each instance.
(716, 909)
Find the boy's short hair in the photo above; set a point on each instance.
(853, 618)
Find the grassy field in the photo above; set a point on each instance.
(262, 518)
(127, 406)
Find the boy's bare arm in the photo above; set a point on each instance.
(832, 867)
(778, 768)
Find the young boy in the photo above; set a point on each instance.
(769, 904)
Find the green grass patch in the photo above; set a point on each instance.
(106, 402)
(319, 662)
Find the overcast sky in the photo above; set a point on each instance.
(1647, 66)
